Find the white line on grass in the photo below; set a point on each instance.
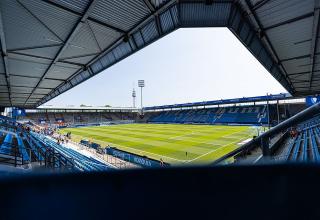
(215, 150)
(185, 161)
(180, 136)
(136, 150)
(234, 133)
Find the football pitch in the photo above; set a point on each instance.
(174, 143)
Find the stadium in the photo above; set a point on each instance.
(242, 157)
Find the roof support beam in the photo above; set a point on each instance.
(79, 56)
(308, 15)
(156, 17)
(301, 73)
(5, 56)
(36, 77)
(39, 20)
(296, 58)
(36, 47)
(305, 81)
(149, 5)
(94, 37)
(267, 40)
(79, 14)
(260, 4)
(167, 5)
(314, 40)
(121, 38)
(30, 55)
(72, 34)
(29, 87)
(72, 63)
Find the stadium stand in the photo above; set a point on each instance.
(211, 112)
(6, 146)
(78, 117)
(23, 149)
(81, 161)
(20, 147)
(304, 146)
(227, 115)
(294, 140)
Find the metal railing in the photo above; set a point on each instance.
(263, 139)
(14, 159)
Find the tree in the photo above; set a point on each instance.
(107, 106)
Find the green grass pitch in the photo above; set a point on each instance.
(203, 143)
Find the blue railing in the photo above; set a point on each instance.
(81, 161)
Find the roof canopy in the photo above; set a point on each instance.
(50, 46)
(265, 98)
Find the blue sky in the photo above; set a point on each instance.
(188, 65)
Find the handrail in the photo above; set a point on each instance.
(294, 120)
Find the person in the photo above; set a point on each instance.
(161, 162)
(186, 154)
(291, 133)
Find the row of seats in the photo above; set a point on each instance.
(23, 149)
(81, 161)
(13, 145)
(6, 146)
(227, 115)
(37, 149)
(304, 147)
(30, 147)
(77, 117)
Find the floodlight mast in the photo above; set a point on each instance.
(134, 97)
(141, 85)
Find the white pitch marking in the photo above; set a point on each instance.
(185, 161)
(180, 136)
(234, 133)
(136, 150)
(213, 150)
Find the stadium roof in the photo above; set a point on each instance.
(281, 96)
(96, 108)
(50, 46)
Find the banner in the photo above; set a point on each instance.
(311, 100)
(134, 158)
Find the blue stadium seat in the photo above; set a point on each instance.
(297, 148)
(36, 147)
(291, 146)
(315, 151)
(6, 146)
(228, 115)
(81, 161)
(304, 156)
(23, 149)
